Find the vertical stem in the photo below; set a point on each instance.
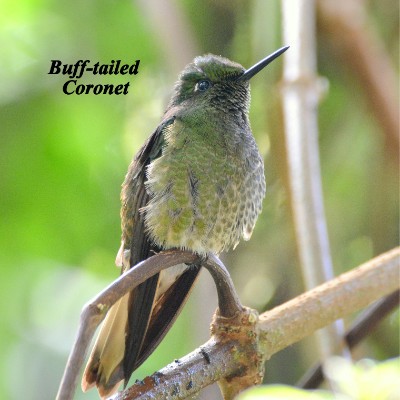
(301, 92)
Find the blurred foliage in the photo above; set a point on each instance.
(365, 380)
(276, 392)
(64, 158)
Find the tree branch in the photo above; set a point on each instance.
(222, 357)
(359, 330)
(349, 292)
(95, 311)
(278, 328)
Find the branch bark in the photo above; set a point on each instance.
(349, 292)
(359, 330)
(278, 328)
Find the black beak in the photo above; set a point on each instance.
(255, 69)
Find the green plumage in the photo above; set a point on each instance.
(208, 185)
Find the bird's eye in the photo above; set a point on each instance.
(202, 85)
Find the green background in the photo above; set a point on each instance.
(63, 159)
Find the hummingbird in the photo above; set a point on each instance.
(196, 184)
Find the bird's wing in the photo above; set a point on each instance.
(136, 324)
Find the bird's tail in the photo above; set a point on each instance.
(105, 365)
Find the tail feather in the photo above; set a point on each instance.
(105, 365)
(165, 311)
(134, 326)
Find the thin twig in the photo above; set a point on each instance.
(228, 301)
